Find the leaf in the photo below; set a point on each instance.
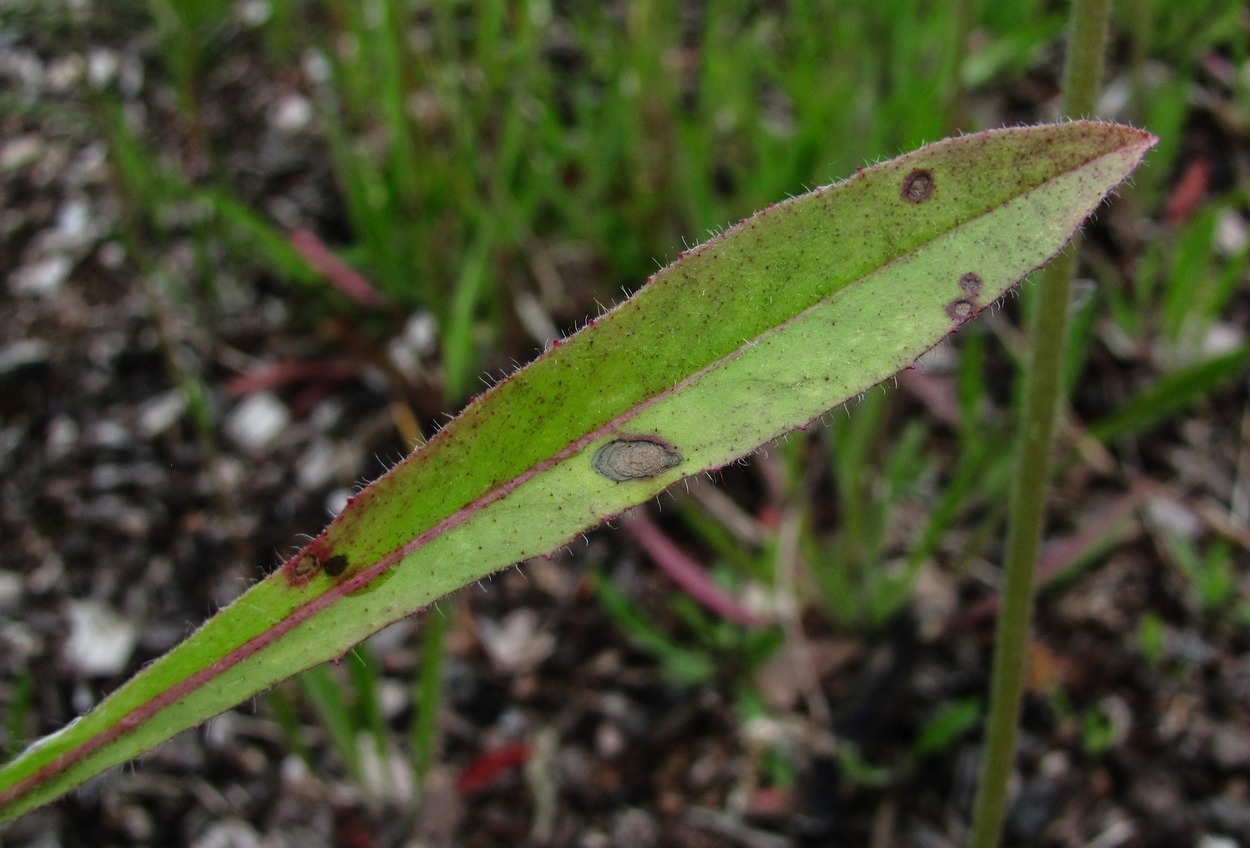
(765, 327)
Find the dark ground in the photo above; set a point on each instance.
(116, 545)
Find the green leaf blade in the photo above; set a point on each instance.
(765, 327)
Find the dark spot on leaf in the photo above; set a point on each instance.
(335, 565)
(918, 186)
(960, 309)
(633, 459)
(970, 284)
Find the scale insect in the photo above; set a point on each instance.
(633, 459)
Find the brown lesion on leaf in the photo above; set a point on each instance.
(918, 186)
(968, 303)
(306, 565)
(960, 310)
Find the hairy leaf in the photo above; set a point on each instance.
(765, 327)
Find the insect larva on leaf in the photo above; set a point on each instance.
(633, 459)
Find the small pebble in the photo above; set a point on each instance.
(42, 277)
(20, 152)
(1211, 840)
(10, 590)
(317, 466)
(161, 412)
(290, 114)
(257, 422)
(22, 353)
(100, 641)
(229, 833)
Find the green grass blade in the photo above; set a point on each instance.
(1174, 393)
(682, 666)
(429, 694)
(762, 329)
(325, 694)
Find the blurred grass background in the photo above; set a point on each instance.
(496, 172)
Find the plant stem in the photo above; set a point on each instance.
(1082, 73)
(964, 18)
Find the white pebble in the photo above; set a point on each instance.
(257, 422)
